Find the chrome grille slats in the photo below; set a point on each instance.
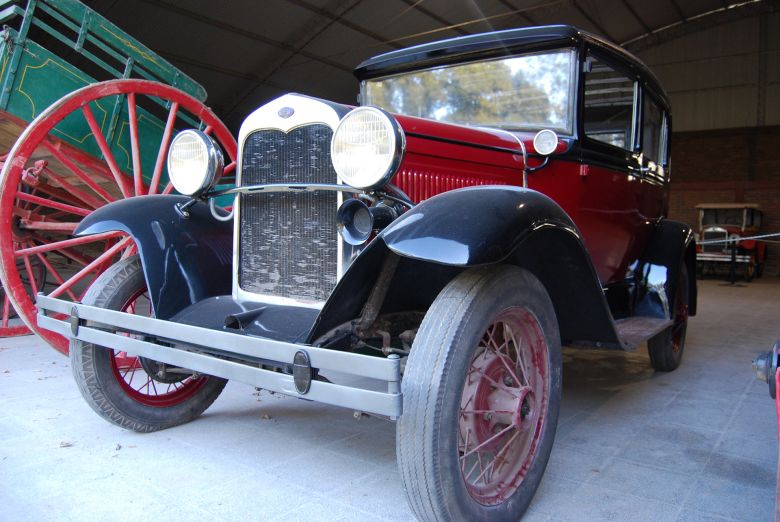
(714, 234)
(288, 241)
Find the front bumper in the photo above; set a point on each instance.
(231, 356)
(722, 258)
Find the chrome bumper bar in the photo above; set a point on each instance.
(228, 355)
(722, 258)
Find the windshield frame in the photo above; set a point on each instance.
(572, 111)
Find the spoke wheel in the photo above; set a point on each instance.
(481, 394)
(10, 323)
(133, 392)
(146, 381)
(102, 143)
(502, 405)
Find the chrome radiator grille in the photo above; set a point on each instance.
(288, 241)
(714, 235)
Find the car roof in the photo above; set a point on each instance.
(502, 43)
(716, 206)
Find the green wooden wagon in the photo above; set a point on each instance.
(86, 116)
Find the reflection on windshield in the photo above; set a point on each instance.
(524, 92)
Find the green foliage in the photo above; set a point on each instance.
(504, 93)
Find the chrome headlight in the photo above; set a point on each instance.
(367, 148)
(195, 162)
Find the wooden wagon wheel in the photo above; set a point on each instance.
(48, 185)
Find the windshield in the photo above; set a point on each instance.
(722, 216)
(527, 92)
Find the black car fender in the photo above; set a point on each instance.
(477, 226)
(185, 259)
(671, 246)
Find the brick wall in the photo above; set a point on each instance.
(728, 166)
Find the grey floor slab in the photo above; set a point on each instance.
(695, 444)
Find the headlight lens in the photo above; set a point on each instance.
(194, 162)
(367, 147)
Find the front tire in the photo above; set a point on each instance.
(481, 394)
(132, 392)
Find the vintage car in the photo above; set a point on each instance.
(423, 256)
(721, 225)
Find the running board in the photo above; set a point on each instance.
(633, 331)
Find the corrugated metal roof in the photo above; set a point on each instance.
(246, 51)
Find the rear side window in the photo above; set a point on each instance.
(652, 130)
(608, 112)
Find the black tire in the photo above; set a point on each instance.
(666, 348)
(436, 382)
(99, 381)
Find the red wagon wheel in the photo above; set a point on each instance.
(48, 184)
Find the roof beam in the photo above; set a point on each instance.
(546, 8)
(700, 22)
(679, 10)
(415, 6)
(346, 23)
(307, 35)
(213, 22)
(638, 18)
(592, 21)
(523, 15)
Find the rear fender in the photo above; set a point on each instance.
(185, 260)
(477, 226)
(671, 246)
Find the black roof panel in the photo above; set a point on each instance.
(500, 43)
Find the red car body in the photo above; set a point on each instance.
(615, 212)
(444, 263)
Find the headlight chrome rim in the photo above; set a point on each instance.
(398, 147)
(192, 185)
(545, 142)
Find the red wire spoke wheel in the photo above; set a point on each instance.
(134, 392)
(481, 394)
(146, 381)
(504, 395)
(52, 179)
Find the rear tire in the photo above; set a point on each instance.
(102, 373)
(481, 394)
(666, 348)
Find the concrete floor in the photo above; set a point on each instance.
(696, 444)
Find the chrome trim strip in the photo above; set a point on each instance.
(285, 187)
(193, 341)
(722, 257)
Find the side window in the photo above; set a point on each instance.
(652, 131)
(608, 111)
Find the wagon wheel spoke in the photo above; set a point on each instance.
(6, 310)
(81, 274)
(30, 276)
(82, 195)
(119, 177)
(78, 172)
(132, 117)
(164, 143)
(52, 179)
